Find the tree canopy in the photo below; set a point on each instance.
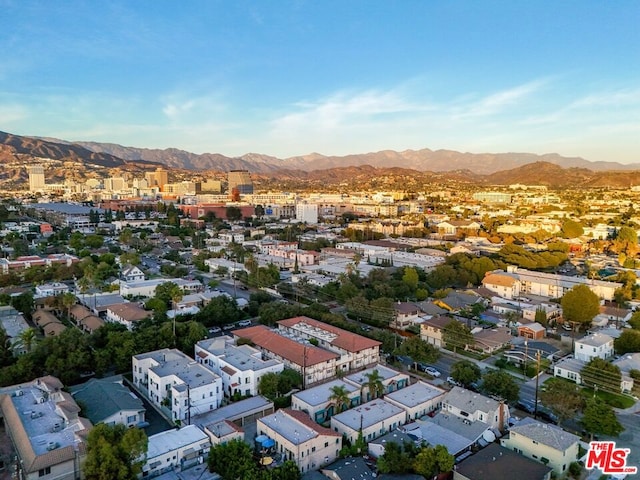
(563, 398)
(500, 384)
(600, 419)
(580, 305)
(465, 372)
(599, 373)
(115, 451)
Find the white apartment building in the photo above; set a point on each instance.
(240, 367)
(373, 419)
(174, 381)
(175, 450)
(517, 281)
(417, 400)
(596, 345)
(317, 402)
(300, 440)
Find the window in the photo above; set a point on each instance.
(132, 418)
(326, 444)
(44, 472)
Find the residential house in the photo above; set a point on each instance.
(317, 402)
(240, 413)
(547, 444)
(300, 440)
(107, 400)
(127, 314)
(392, 380)
(371, 419)
(489, 340)
(85, 318)
(175, 450)
(43, 425)
(131, 273)
(405, 314)
(431, 330)
(314, 364)
(417, 400)
(570, 369)
(496, 462)
(50, 290)
(461, 301)
(240, 367)
(592, 346)
(48, 322)
(457, 435)
(98, 303)
(172, 380)
(476, 407)
(355, 350)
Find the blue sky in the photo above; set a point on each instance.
(288, 78)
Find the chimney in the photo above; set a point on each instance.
(501, 416)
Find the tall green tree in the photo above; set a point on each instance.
(603, 375)
(627, 342)
(410, 278)
(580, 305)
(419, 350)
(395, 459)
(456, 335)
(232, 460)
(500, 384)
(465, 372)
(340, 397)
(374, 384)
(431, 461)
(600, 419)
(563, 398)
(115, 452)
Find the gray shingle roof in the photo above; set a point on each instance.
(545, 434)
(105, 397)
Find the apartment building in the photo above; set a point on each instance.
(372, 419)
(240, 367)
(172, 380)
(300, 440)
(473, 407)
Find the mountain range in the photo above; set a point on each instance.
(384, 167)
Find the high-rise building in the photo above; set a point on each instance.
(307, 212)
(36, 177)
(114, 184)
(159, 178)
(241, 181)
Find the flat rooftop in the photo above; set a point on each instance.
(320, 395)
(416, 394)
(360, 378)
(164, 442)
(367, 415)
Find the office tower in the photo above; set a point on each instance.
(307, 212)
(241, 181)
(114, 184)
(159, 178)
(36, 177)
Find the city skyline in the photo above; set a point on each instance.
(334, 78)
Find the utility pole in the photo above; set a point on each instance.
(535, 407)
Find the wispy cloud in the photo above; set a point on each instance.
(499, 101)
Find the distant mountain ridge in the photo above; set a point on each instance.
(421, 160)
(411, 166)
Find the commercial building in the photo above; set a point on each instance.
(36, 178)
(240, 181)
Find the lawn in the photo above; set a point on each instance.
(616, 400)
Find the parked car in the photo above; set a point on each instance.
(434, 372)
(229, 326)
(451, 381)
(244, 323)
(526, 406)
(545, 414)
(215, 330)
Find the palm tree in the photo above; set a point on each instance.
(374, 384)
(27, 338)
(68, 300)
(340, 396)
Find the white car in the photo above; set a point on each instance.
(432, 371)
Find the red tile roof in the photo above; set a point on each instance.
(351, 342)
(284, 347)
(304, 419)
